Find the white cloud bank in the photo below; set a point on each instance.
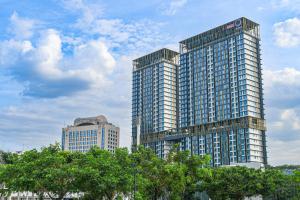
(49, 72)
(291, 119)
(282, 97)
(283, 152)
(288, 76)
(21, 28)
(54, 64)
(66, 76)
(287, 33)
(282, 87)
(127, 37)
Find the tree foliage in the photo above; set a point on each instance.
(176, 177)
(240, 182)
(141, 175)
(50, 171)
(104, 175)
(232, 183)
(5, 157)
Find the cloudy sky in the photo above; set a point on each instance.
(62, 59)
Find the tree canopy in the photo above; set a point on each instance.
(103, 175)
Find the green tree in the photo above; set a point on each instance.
(2, 161)
(4, 191)
(5, 157)
(50, 171)
(177, 177)
(17, 176)
(272, 181)
(124, 172)
(278, 185)
(232, 183)
(55, 172)
(296, 181)
(150, 177)
(105, 175)
(192, 167)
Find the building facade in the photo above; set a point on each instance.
(220, 87)
(220, 96)
(154, 94)
(90, 132)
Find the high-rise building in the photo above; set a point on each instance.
(220, 96)
(220, 91)
(89, 132)
(154, 95)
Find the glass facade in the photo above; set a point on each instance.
(89, 132)
(220, 80)
(219, 92)
(81, 141)
(154, 93)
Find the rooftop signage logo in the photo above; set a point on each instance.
(231, 25)
(236, 24)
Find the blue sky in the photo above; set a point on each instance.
(62, 59)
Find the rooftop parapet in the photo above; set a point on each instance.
(239, 25)
(90, 120)
(155, 57)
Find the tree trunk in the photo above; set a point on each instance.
(239, 197)
(61, 196)
(155, 195)
(109, 196)
(41, 196)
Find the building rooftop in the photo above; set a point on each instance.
(155, 57)
(90, 121)
(235, 26)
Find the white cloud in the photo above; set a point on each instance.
(11, 50)
(94, 54)
(127, 37)
(283, 120)
(282, 87)
(283, 123)
(287, 33)
(46, 71)
(283, 152)
(113, 28)
(131, 37)
(282, 97)
(89, 11)
(40, 121)
(286, 76)
(172, 7)
(56, 64)
(90, 60)
(21, 28)
(290, 119)
(48, 54)
(68, 75)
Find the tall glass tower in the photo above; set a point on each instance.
(220, 94)
(220, 97)
(154, 97)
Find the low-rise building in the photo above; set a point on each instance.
(89, 132)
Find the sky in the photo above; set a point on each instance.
(63, 59)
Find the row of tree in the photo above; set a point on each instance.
(100, 174)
